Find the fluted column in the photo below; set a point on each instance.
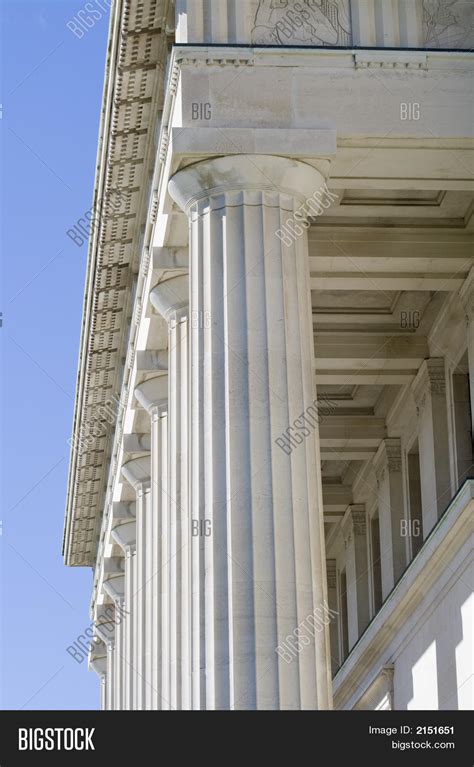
(125, 536)
(171, 300)
(388, 468)
(105, 629)
(137, 473)
(98, 663)
(114, 587)
(111, 690)
(259, 509)
(354, 528)
(429, 389)
(153, 396)
(331, 570)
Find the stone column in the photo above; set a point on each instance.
(263, 568)
(108, 617)
(114, 586)
(98, 663)
(429, 388)
(137, 473)
(332, 603)
(467, 299)
(125, 536)
(111, 691)
(388, 470)
(354, 528)
(104, 626)
(171, 300)
(153, 396)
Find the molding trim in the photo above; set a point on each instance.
(447, 537)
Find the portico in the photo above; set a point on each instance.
(300, 244)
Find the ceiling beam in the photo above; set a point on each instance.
(361, 377)
(339, 351)
(357, 280)
(347, 453)
(359, 430)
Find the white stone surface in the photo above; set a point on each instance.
(214, 308)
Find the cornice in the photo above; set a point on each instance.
(237, 56)
(133, 93)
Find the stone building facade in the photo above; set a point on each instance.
(271, 464)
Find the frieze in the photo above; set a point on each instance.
(448, 24)
(302, 22)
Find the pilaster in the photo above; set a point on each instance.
(429, 389)
(354, 529)
(391, 511)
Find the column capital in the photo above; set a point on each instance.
(98, 649)
(354, 522)
(115, 588)
(99, 665)
(105, 631)
(137, 473)
(104, 623)
(431, 378)
(263, 173)
(153, 394)
(171, 298)
(388, 457)
(125, 536)
(98, 657)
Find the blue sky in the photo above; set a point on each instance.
(51, 97)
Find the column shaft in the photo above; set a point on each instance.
(391, 510)
(252, 376)
(111, 681)
(123, 593)
(159, 482)
(143, 603)
(129, 654)
(357, 570)
(429, 389)
(171, 298)
(179, 516)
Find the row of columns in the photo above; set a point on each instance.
(225, 556)
(408, 501)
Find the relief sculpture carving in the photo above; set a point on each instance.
(302, 22)
(448, 23)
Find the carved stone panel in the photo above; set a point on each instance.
(302, 22)
(448, 23)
